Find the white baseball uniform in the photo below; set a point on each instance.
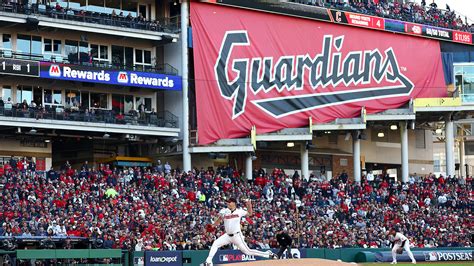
(233, 235)
(401, 241)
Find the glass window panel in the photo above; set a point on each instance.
(128, 103)
(84, 52)
(85, 103)
(6, 93)
(94, 51)
(38, 96)
(458, 69)
(57, 47)
(469, 70)
(113, 4)
(99, 100)
(73, 98)
(129, 56)
(48, 97)
(118, 57)
(129, 6)
(138, 56)
(147, 57)
(36, 45)
(148, 104)
(23, 44)
(57, 97)
(104, 52)
(48, 45)
(7, 41)
(24, 93)
(117, 103)
(71, 50)
(145, 101)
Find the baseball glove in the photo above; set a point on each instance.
(400, 251)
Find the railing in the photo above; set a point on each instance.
(160, 119)
(85, 60)
(168, 25)
(402, 15)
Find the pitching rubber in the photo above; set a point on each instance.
(293, 262)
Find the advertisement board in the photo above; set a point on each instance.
(163, 258)
(355, 19)
(430, 256)
(254, 68)
(112, 77)
(224, 256)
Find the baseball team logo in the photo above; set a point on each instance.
(55, 71)
(122, 77)
(328, 68)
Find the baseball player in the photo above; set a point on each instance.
(399, 243)
(231, 217)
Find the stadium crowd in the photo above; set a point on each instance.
(163, 208)
(423, 13)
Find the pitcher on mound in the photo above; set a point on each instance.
(232, 216)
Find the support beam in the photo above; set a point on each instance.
(449, 142)
(304, 162)
(248, 166)
(185, 70)
(404, 150)
(462, 159)
(356, 155)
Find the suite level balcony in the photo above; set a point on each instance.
(90, 18)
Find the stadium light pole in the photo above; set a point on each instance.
(185, 75)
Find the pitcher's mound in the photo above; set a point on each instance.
(294, 262)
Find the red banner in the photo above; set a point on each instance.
(274, 72)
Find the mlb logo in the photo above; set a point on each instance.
(122, 77)
(430, 256)
(223, 258)
(55, 71)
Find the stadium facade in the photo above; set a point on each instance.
(250, 84)
(89, 80)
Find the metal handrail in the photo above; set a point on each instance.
(168, 25)
(156, 68)
(158, 119)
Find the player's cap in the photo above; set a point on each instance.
(231, 200)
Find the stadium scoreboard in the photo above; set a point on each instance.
(19, 67)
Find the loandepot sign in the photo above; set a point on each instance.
(111, 77)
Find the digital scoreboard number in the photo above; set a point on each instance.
(19, 67)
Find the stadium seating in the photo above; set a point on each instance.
(171, 210)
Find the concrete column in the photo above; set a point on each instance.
(304, 162)
(248, 167)
(404, 150)
(185, 70)
(462, 159)
(449, 141)
(356, 155)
